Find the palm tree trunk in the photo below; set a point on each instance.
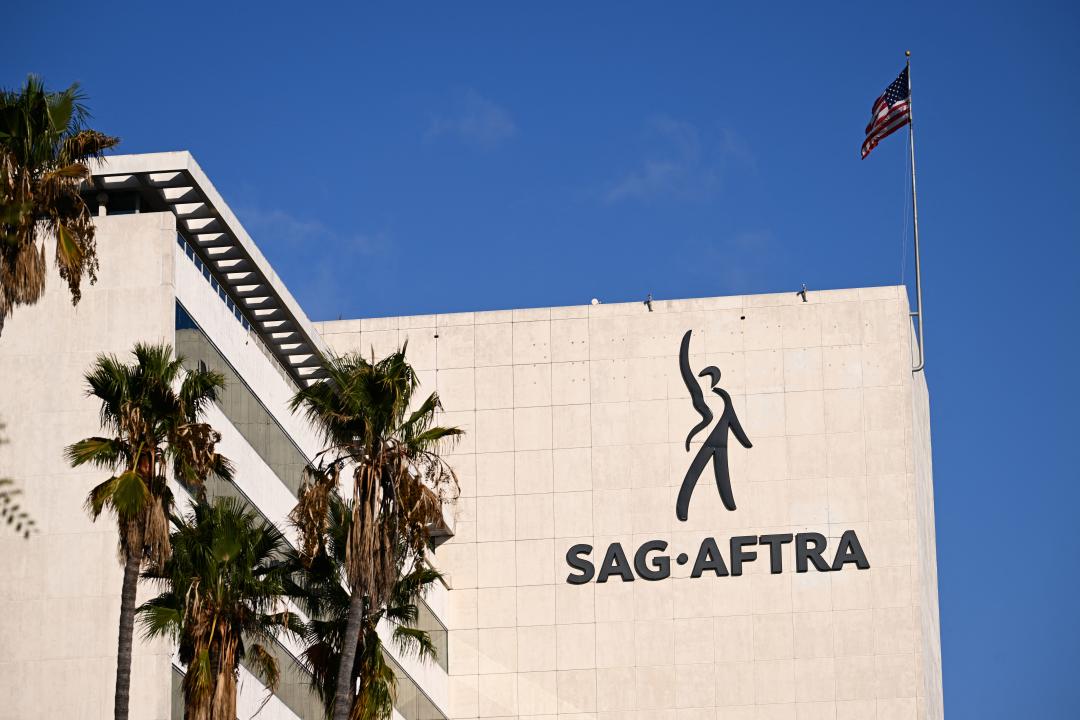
(343, 696)
(124, 644)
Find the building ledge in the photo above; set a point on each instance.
(173, 181)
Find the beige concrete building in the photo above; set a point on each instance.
(573, 590)
(577, 420)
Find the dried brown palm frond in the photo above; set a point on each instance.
(312, 508)
(45, 157)
(195, 457)
(315, 586)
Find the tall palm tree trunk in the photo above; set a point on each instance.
(343, 696)
(124, 644)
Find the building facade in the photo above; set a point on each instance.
(715, 508)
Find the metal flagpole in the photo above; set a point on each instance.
(915, 213)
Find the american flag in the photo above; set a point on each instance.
(891, 111)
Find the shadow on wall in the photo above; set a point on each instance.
(12, 515)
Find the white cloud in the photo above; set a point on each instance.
(741, 262)
(681, 162)
(278, 225)
(334, 262)
(474, 120)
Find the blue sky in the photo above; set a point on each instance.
(394, 159)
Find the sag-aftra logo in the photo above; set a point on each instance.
(652, 561)
(715, 446)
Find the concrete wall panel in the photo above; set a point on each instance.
(579, 416)
(61, 589)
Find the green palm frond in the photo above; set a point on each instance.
(161, 616)
(126, 494)
(107, 453)
(402, 609)
(109, 380)
(413, 641)
(402, 613)
(157, 362)
(435, 435)
(200, 388)
(287, 622)
(222, 584)
(421, 418)
(222, 468)
(378, 685)
(265, 667)
(98, 498)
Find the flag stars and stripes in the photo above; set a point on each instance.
(890, 112)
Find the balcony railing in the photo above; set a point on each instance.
(205, 270)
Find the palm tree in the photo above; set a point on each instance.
(221, 603)
(45, 150)
(315, 585)
(154, 426)
(361, 409)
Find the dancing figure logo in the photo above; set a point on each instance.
(715, 447)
